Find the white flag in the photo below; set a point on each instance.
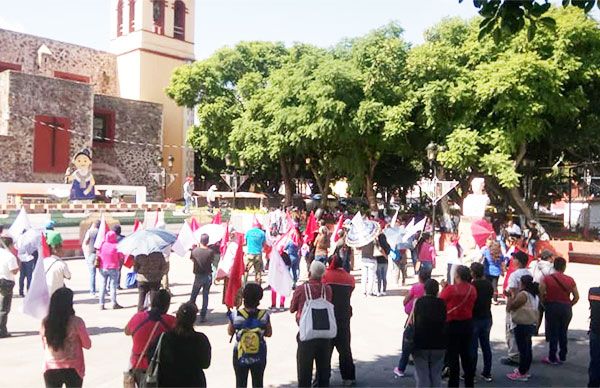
(20, 224)
(185, 240)
(394, 218)
(37, 299)
(101, 233)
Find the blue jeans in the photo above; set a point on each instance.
(188, 203)
(558, 317)
(407, 349)
(111, 276)
(523, 334)
(594, 370)
(382, 277)
(426, 266)
(201, 282)
(26, 273)
(295, 268)
(321, 258)
(481, 337)
(92, 271)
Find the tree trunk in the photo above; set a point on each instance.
(518, 200)
(370, 193)
(287, 182)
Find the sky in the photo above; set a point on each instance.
(225, 22)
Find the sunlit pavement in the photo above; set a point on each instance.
(376, 338)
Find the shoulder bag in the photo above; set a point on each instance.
(526, 314)
(461, 303)
(151, 377)
(129, 376)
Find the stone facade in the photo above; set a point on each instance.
(27, 97)
(130, 164)
(23, 50)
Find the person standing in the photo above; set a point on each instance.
(315, 351)
(342, 284)
(89, 252)
(64, 337)
(203, 257)
(255, 241)
(343, 250)
(594, 333)
(292, 249)
(117, 229)
(381, 252)
(513, 286)
(322, 244)
(523, 308)
(559, 294)
(492, 262)
(184, 353)
(110, 261)
(430, 341)
(150, 270)
(28, 261)
(55, 268)
(9, 267)
(211, 198)
(415, 292)
(250, 325)
(144, 328)
(460, 299)
(426, 253)
(539, 269)
(369, 269)
(188, 192)
(482, 320)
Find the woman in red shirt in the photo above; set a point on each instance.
(559, 293)
(460, 299)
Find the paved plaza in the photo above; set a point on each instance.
(376, 338)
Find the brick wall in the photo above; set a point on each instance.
(27, 96)
(126, 164)
(22, 49)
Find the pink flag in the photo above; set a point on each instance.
(337, 228)
(156, 220)
(136, 225)
(194, 225)
(217, 219)
(101, 232)
(311, 228)
(45, 247)
(37, 299)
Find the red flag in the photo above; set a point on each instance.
(194, 225)
(338, 227)
(217, 219)
(311, 228)
(256, 223)
(45, 247)
(136, 224)
(237, 272)
(156, 219)
(283, 240)
(224, 240)
(129, 261)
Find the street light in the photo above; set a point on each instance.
(432, 152)
(163, 178)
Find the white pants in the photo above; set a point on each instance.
(369, 269)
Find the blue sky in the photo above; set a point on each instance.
(226, 22)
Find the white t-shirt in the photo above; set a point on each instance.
(541, 268)
(56, 273)
(514, 281)
(8, 263)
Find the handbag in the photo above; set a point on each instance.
(151, 378)
(129, 376)
(526, 314)
(408, 337)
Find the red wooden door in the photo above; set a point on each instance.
(51, 146)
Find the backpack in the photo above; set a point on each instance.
(251, 348)
(318, 317)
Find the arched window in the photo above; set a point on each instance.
(131, 15)
(158, 15)
(120, 18)
(179, 24)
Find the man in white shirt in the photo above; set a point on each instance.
(9, 267)
(28, 262)
(514, 282)
(56, 269)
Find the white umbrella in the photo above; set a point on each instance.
(215, 233)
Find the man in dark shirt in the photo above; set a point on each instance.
(202, 257)
(482, 319)
(594, 370)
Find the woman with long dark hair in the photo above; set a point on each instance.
(64, 336)
(184, 353)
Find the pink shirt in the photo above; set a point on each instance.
(416, 291)
(71, 354)
(427, 253)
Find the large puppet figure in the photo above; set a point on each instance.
(82, 180)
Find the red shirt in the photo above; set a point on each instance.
(554, 291)
(140, 337)
(460, 299)
(299, 298)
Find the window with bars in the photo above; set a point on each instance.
(103, 127)
(179, 22)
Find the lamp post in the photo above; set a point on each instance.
(165, 177)
(233, 177)
(432, 152)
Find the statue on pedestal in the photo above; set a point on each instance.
(82, 181)
(473, 209)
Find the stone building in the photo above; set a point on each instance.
(56, 98)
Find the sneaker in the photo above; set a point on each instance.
(383, 293)
(202, 319)
(445, 373)
(548, 361)
(348, 383)
(516, 370)
(117, 306)
(102, 307)
(509, 361)
(516, 376)
(486, 378)
(398, 372)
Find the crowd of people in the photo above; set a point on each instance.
(447, 322)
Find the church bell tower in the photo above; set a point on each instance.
(150, 39)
